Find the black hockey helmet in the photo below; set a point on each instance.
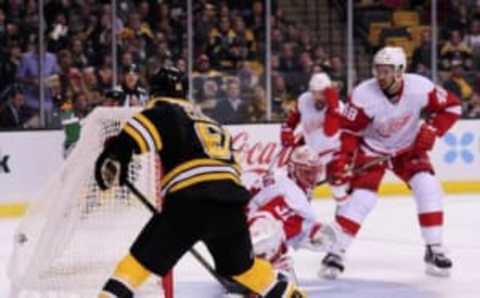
(168, 82)
(116, 95)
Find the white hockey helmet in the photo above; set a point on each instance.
(319, 82)
(394, 56)
(305, 167)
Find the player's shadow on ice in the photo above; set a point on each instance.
(360, 288)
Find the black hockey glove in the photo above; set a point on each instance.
(113, 162)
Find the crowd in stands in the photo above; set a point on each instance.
(229, 54)
(406, 24)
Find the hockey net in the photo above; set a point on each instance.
(73, 234)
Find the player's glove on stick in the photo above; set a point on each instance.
(287, 136)
(113, 163)
(425, 138)
(339, 170)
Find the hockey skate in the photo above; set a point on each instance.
(438, 264)
(332, 266)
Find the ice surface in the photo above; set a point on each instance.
(386, 261)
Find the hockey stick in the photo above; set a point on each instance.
(226, 284)
(362, 168)
(372, 163)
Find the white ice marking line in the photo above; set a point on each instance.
(315, 288)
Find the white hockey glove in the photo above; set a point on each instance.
(322, 237)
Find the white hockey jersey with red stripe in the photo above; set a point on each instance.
(313, 124)
(389, 128)
(287, 203)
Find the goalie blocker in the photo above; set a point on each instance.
(203, 196)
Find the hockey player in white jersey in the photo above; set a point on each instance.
(280, 215)
(384, 120)
(317, 113)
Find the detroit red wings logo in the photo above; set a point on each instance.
(388, 128)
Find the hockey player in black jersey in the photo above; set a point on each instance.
(203, 196)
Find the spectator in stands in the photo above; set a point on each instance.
(245, 38)
(306, 43)
(221, 40)
(136, 27)
(422, 56)
(456, 49)
(277, 40)
(81, 104)
(288, 60)
(202, 72)
(458, 15)
(90, 79)
(58, 35)
(281, 98)
(258, 108)
(321, 57)
(209, 98)
(299, 81)
(3, 30)
(28, 74)
(135, 95)
(181, 65)
(105, 74)
(234, 107)
(205, 21)
(473, 110)
(338, 74)
(257, 20)
(79, 57)
(14, 113)
(472, 40)
(457, 83)
(9, 65)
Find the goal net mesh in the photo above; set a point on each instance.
(73, 234)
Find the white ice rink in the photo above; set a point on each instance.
(386, 261)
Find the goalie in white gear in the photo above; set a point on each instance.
(281, 217)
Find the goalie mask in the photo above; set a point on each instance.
(305, 168)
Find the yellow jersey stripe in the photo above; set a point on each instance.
(151, 129)
(192, 164)
(137, 137)
(203, 178)
(173, 100)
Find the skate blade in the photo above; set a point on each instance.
(437, 272)
(329, 273)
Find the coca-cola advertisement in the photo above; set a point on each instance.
(258, 150)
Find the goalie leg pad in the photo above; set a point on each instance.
(267, 235)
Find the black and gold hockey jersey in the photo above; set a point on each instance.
(192, 147)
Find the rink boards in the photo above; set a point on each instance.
(28, 158)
